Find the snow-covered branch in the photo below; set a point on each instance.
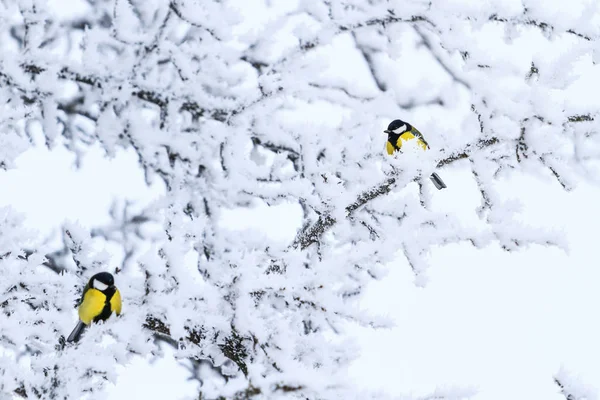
(231, 110)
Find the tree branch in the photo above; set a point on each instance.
(542, 25)
(568, 396)
(366, 54)
(232, 348)
(427, 43)
(312, 234)
(144, 94)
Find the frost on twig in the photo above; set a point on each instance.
(230, 111)
(572, 388)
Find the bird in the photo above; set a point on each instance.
(398, 132)
(99, 300)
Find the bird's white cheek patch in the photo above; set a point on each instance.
(100, 286)
(400, 130)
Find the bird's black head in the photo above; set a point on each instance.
(397, 126)
(102, 281)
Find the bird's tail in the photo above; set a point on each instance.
(437, 181)
(74, 336)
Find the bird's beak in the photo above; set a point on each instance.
(386, 131)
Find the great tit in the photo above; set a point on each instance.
(99, 300)
(398, 132)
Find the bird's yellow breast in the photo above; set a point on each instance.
(94, 302)
(91, 306)
(406, 136)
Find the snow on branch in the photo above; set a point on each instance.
(230, 111)
(572, 387)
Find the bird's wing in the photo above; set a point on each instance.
(91, 306)
(419, 135)
(115, 302)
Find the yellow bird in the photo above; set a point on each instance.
(399, 132)
(99, 300)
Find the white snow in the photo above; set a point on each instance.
(185, 144)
